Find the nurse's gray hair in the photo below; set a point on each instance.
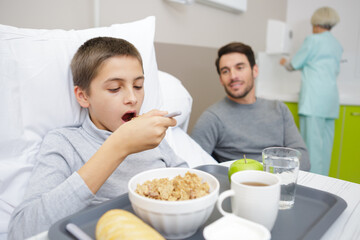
(325, 17)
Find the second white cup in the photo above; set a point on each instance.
(255, 196)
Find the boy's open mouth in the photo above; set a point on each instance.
(128, 116)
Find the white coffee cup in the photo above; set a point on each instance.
(259, 204)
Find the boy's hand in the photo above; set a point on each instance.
(143, 132)
(139, 134)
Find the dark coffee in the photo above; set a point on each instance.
(256, 184)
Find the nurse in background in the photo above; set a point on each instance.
(319, 61)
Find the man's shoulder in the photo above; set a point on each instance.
(270, 102)
(272, 105)
(218, 106)
(211, 116)
(215, 108)
(224, 106)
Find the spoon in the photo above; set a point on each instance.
(173, 114)
(77, 232)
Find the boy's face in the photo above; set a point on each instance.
(237, 77)
(116, 93)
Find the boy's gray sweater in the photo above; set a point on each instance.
(55, 189)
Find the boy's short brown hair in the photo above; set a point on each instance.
(93, 53)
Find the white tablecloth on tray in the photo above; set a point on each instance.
(346, 227)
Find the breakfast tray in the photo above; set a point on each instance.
(313, 213)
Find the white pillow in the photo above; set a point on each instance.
(175, 97)
(186, 148)
(36, 93)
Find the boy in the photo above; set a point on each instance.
(82, 166)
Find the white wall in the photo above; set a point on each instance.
(347, 31)
(277, 83)
(195, 24)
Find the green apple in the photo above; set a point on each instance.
(244, 164)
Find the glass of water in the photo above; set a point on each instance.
(285, 163)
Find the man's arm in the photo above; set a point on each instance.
(206, 131)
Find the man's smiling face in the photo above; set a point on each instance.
(237, 77)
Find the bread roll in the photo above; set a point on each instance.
(121, 224)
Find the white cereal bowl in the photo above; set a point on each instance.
(173, 219)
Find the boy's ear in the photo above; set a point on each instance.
(81, 97)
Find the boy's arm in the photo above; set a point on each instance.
(142, 133)
(55, 191)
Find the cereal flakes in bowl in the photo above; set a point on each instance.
(175, 201)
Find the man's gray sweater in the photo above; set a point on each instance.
(228, 130)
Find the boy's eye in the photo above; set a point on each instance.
(138, 87)
(114, 89)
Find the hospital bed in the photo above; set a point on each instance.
(36, 95)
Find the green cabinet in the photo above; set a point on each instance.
(345, 158)
(348, 158)
(293, 107)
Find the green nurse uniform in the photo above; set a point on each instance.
(319, 61)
